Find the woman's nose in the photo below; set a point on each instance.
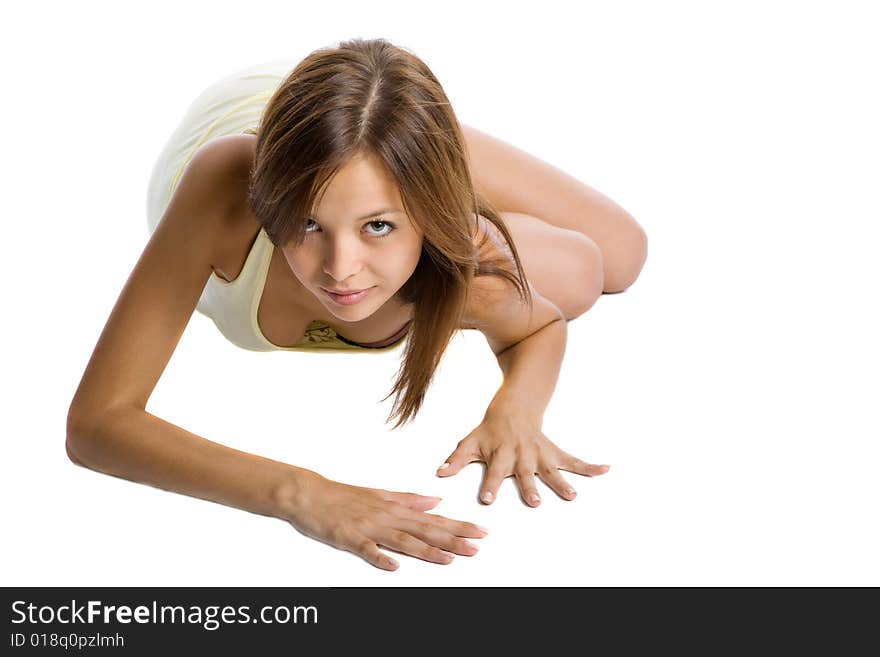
(342, 259)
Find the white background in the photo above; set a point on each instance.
(733, 388)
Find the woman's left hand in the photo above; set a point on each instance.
(511, 443)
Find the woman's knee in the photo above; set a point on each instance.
(588, 277)
(624, 268)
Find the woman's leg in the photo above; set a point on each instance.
(515, 181)
(563, 265)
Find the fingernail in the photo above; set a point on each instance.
(570, 491)
(487, 496)
(483, 529)
(534, 499)
(443, 467)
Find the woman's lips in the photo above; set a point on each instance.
(347, 299)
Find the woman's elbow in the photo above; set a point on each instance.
(76, 428)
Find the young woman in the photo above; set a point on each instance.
(337, 204)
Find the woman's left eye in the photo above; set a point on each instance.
(383, 223)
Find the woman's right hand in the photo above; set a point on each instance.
(360, 520)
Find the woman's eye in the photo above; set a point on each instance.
(385, 227)
(384, 224)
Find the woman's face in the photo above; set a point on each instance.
(359, 238)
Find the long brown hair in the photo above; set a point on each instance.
(369, 97)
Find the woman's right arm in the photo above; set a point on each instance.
(110, 431)
(108, 428)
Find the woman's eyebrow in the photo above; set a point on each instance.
(376, 213)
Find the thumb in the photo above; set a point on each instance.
(455, 462)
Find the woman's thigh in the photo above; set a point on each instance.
(565, 266)
(516, 181)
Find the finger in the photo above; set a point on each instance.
(499, 468)
(370, 552)
(459, 458)
(556, 482)
(458, 528)
(575, 465)
(433, 534)
(528, 487)
(411, 500)
(405, 542)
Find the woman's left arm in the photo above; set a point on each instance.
(529, 348)
(531, 368)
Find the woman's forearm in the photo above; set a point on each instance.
(133, 444)
(531, 369)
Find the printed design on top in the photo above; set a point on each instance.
(318, 333)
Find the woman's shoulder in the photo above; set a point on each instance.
(224, 170)
(490, 242)
(234, 154)
(231, 158)
(230, 155)
(488, 289)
